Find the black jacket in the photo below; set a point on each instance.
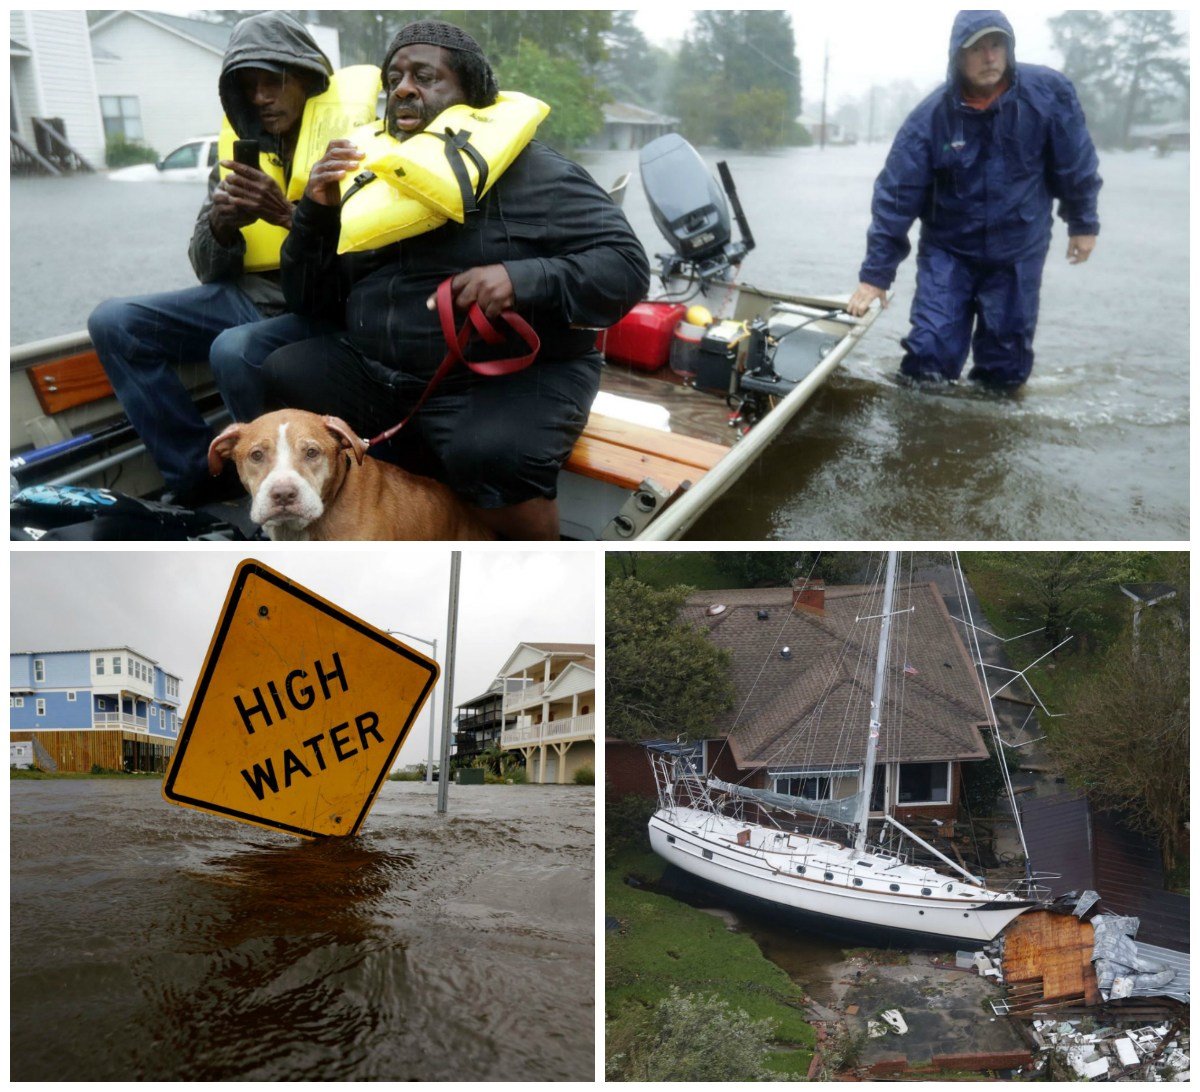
(570, 253)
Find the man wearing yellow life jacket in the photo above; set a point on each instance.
(544, 241)
(272, 77)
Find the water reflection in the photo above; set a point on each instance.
(159, 943)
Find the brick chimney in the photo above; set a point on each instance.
(809, 595)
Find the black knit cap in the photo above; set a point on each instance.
(431, 32)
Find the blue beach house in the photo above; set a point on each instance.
(115, 708)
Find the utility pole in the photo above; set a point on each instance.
(824, 93)
(448, 688)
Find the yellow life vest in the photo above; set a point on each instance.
(425, 185)
(375, 215)
(350, 100)
(453, 162)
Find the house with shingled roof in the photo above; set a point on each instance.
(549, 709)
(803, 671)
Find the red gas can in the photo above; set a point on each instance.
(642, 338)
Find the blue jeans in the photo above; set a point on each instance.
(963, 306)
(141, 340)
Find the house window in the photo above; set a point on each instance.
(39, 670)
(924, 783)
(808, 788)
(99, 665)
(122, 116)
(41, 707)
(18, 703)
(70, 695)
(116, 665)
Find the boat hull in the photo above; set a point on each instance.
(832, 908)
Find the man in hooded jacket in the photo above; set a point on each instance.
(980, 163)
(271, 67)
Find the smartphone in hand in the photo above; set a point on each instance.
(246, 152)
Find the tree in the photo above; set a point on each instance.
(689, 1037)
(730, 54)
(632, 70)
(1067, 586)
(574, 98)
(1127, 66)
(663, 679)
(1126, 742)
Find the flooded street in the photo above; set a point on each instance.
(1095, 447)
(151, 942)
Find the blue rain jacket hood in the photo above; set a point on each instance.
(967, 23)
(983, 182)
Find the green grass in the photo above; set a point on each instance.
(661, 942)
(665, 569)
(42, 775)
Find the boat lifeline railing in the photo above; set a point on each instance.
(1033, 885)
(701, 495)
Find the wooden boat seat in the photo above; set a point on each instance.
(626, 454)
(69, 381)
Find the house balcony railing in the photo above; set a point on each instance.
(121, 720)
(551, 731)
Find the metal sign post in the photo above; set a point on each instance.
(448, 692)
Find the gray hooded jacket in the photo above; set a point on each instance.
(270, 39)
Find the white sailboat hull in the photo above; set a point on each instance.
(823, 881)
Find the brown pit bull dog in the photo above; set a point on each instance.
(308, 479)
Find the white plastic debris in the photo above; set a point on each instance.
(982, 963)
(1126, 1052)
(894, 1021)
(875, 1029)
(965, 960)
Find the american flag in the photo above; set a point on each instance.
(909, 669)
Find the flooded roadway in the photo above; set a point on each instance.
(1094, 448)
(150, 942)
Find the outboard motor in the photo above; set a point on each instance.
(691, 211)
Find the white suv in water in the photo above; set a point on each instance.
(190, 162)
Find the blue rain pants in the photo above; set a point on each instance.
(962, 306)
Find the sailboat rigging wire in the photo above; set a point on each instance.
(993, 722)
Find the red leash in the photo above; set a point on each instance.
(456, 342)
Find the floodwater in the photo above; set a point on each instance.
(151, 942)
(1094, 448)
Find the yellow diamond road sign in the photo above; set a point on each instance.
(299, 713)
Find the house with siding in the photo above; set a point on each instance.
(156, 74)
(111, 707)
(800, 716)
(549, 709)
(51, 76)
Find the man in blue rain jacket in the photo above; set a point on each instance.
(980, 162)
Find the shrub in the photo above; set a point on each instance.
(689, 1037)
(119, 152)
(585, 775)
(625, 820)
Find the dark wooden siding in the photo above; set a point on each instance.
(1129, 877)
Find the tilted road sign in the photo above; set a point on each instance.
(299, 713)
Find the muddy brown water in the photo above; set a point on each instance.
(151, 942)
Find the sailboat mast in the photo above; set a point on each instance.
(877, 695)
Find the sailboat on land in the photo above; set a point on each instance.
(740, 839)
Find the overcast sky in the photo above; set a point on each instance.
(875, 43)
(165, 603)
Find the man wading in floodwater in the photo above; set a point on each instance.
(980, 162)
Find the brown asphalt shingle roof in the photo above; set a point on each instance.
(814, 709)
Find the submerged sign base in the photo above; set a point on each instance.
(299, 713)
